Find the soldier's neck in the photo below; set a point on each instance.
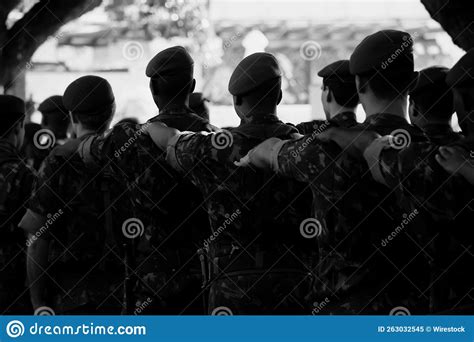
(165, 104)
(397, 107)
(341, 109)
(84, 131)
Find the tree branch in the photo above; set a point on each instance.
(41, 21)
(456, 18)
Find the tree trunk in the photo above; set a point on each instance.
(19, 43)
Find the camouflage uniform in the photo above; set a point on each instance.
(440, 134)
(85, 268)
(167, 275)
(358, 272)
(259, 261)
(346, 120)
(448, 202)
(16, 181)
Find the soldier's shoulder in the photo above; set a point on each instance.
(310, 126)
(66, 149)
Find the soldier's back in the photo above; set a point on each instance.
(255, 218)
(16, 180)
(168, 210)
(84, 265)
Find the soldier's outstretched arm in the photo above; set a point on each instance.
(354, 141)
(36, 265)
(455, 160)
(300, 159)
(161, 134)
(263, 155)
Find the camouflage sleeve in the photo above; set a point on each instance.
(99, 150)
(304, 158)
(188, 150)
(310, 126)
(45, 199)
(442, 194)
(383, 162)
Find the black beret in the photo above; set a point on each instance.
(196, 99)
(10, 104)
(384, 50)
(52, 104)
(337, 72)
(252, 72)
(170, 62)
(431, 78)
(88, 95)
(462, 73)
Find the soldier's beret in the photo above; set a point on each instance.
(52, 104)
(431, 78)
(384, 50)
(10, 104)
(170, 62)
(88, 95)
(252, 72)
(462, 73)
(337, 72)
(196, 99)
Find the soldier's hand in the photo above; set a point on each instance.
(260, 156)
(452, 159)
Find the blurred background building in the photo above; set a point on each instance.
(117, 39)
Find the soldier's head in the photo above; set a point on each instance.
(339, 92)
(171, 74)
(431, 100)
(12, 120)
(461, 80)
(383, 65)
(256, 86)
(90, 102)
(55, 116)
(198, 104)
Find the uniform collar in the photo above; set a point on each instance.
(8, 151)
(174, 110)
(177, 111)
(344, 116)
(441, 133)
(385, 119)
(265, 126)
(438, 129)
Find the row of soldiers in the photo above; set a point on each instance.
(176, 216)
